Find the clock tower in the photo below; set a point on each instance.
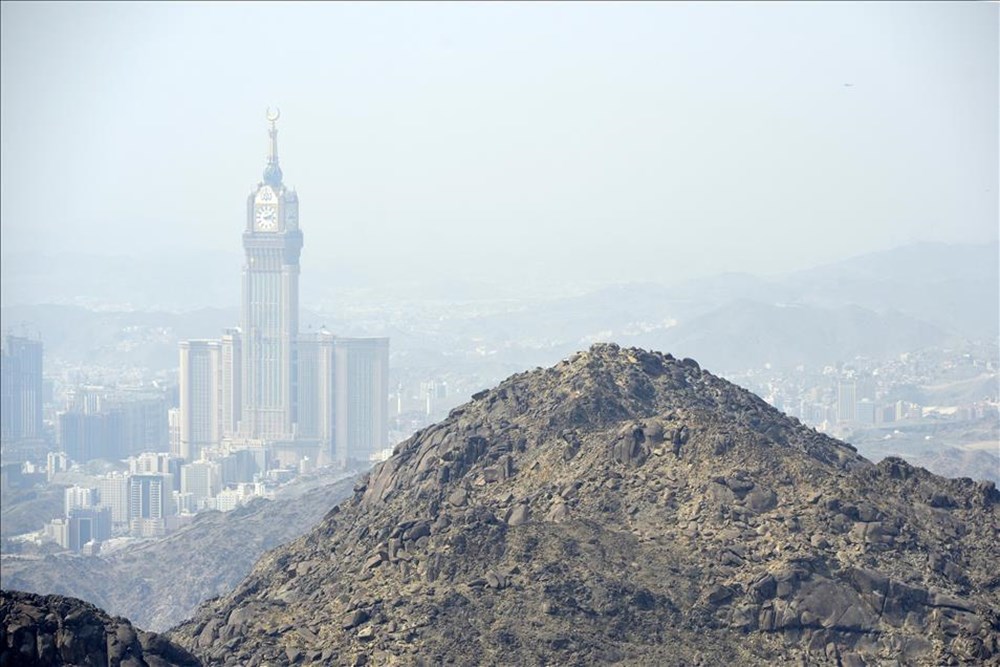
(269, 318)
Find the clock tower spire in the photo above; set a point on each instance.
(272, 172)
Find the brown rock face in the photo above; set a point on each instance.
(55, 630)
(626, 507)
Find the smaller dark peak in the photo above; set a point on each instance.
(58, 630)
(940, 492)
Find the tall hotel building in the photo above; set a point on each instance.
(265, 386)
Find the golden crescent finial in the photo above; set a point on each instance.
(273, 116)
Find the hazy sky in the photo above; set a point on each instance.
(616, 141)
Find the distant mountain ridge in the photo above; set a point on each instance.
(877, 304)
(749, 334)
(913, 296)
(955, 287)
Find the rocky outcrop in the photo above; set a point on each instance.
(625, 507)
(55, 630)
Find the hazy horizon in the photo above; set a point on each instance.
(583, 142)
(33, 276)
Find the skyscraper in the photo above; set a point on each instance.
(84, 437)
(199, 397)
(315, 387)
(143, 419)
(113, 492)
(361, 390)
(21, 389)
(231, 383)
(270, 310)
(847, 400)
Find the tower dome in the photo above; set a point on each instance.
(272, 173)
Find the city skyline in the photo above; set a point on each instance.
(245, 414)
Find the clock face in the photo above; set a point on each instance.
(266, 217)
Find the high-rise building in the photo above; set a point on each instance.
(148, 463)
(55, 462)
(86, 524)
(847, 400)
(199, 397)
(202, 479)
(239, 466)
(57, 530)
(186, 503)
(230, 383)
(88, 399)
(149, 503)
(361, 388)
(864, 411)
(269, 319)
(21, 389)
(79, 497)
(109, 423)
(174, 431)
(113, 493)
(84, 437)
(143, 420)
(229, 499)
(316, 388)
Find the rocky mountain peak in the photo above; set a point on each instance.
(646, 398)
(625, 506)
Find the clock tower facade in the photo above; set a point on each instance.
(269, 319)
